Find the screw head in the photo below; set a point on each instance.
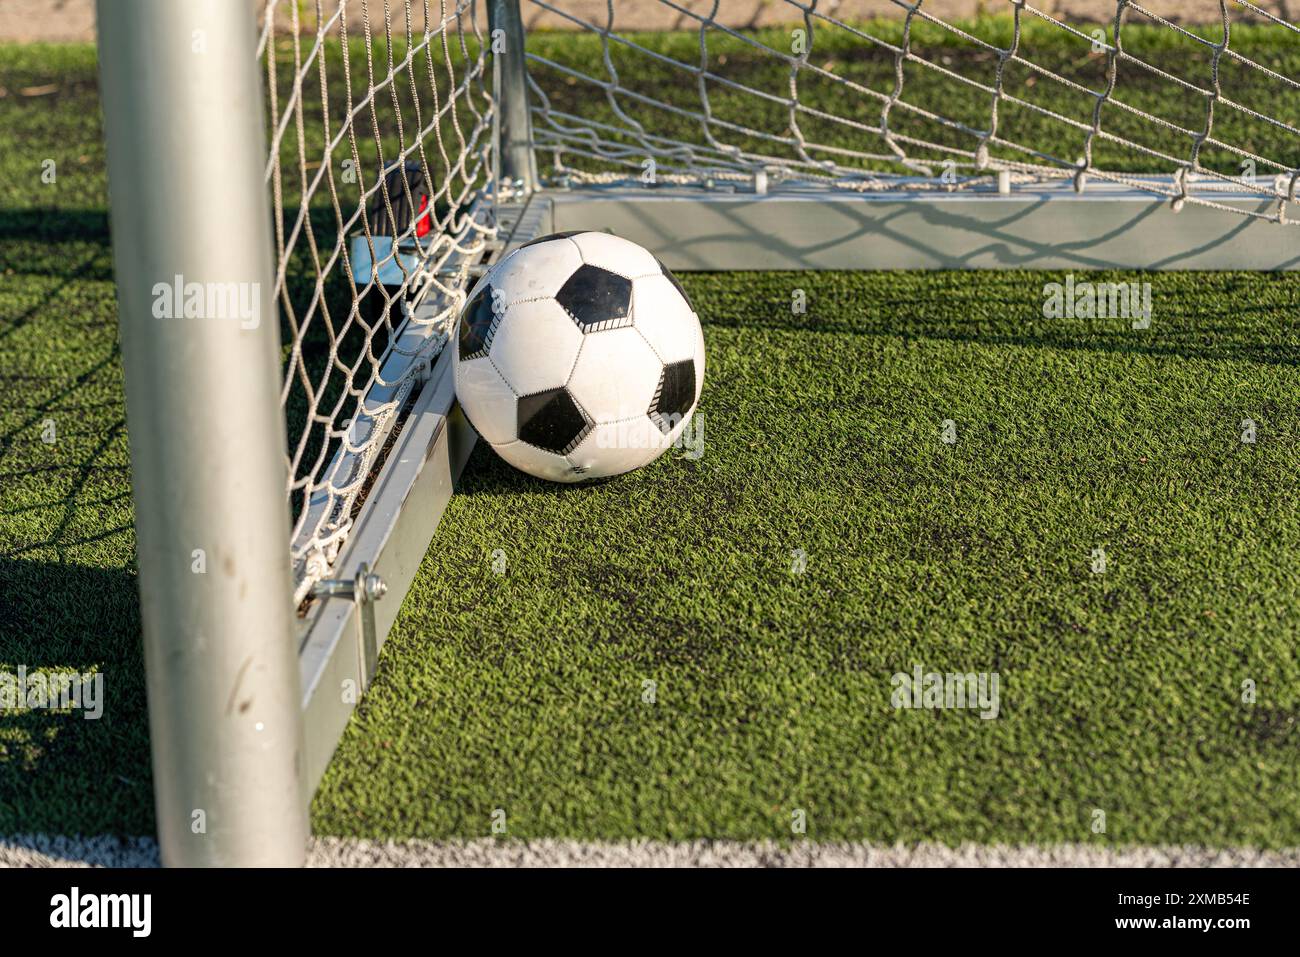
(375, 587)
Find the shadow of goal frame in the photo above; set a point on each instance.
(264, 612)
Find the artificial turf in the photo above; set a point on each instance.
(527, 691)
(1121, 691)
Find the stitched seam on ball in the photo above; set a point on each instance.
(649, 343)
(573, 466)
(578, 439)
(502, 375)
(521, 302)
(586, 416)
(630, 418)
(568, 378)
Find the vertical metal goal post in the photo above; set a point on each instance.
(186, 154)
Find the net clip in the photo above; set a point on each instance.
(364, 590)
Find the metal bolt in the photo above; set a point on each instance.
(373, 587)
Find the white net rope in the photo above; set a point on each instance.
(356, 89)
(911, 101)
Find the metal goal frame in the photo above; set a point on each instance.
(247, 699)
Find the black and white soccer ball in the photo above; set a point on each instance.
(578, 356)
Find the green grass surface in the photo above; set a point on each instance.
(524, 691)
(1120, 691)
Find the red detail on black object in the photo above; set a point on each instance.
(423, 226)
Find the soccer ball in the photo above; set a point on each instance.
(578, 356)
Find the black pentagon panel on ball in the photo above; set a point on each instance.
(597, 299)
(675, 395)
(551, 420)
(673, 279)
(478, 323)
(547, 239)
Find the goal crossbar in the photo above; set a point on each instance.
(1043, 226)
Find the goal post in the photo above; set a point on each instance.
(191, 228)
(516, 155)
(303, 194)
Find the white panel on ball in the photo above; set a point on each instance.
(538, 462)
(699, 360)
(535, 346)
(616, 375)
(617, 447)
(616, 254)
(487, 400)
(535, 271)
(664, 318)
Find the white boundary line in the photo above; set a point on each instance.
(43, 851)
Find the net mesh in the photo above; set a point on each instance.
(911, 101)
(380, 168)
(381, 118)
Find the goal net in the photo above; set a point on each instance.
(910, 101)
(381, 174)
(384, 171)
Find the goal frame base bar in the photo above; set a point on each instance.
(390, 537)
(1045, 227)
(417, 480)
